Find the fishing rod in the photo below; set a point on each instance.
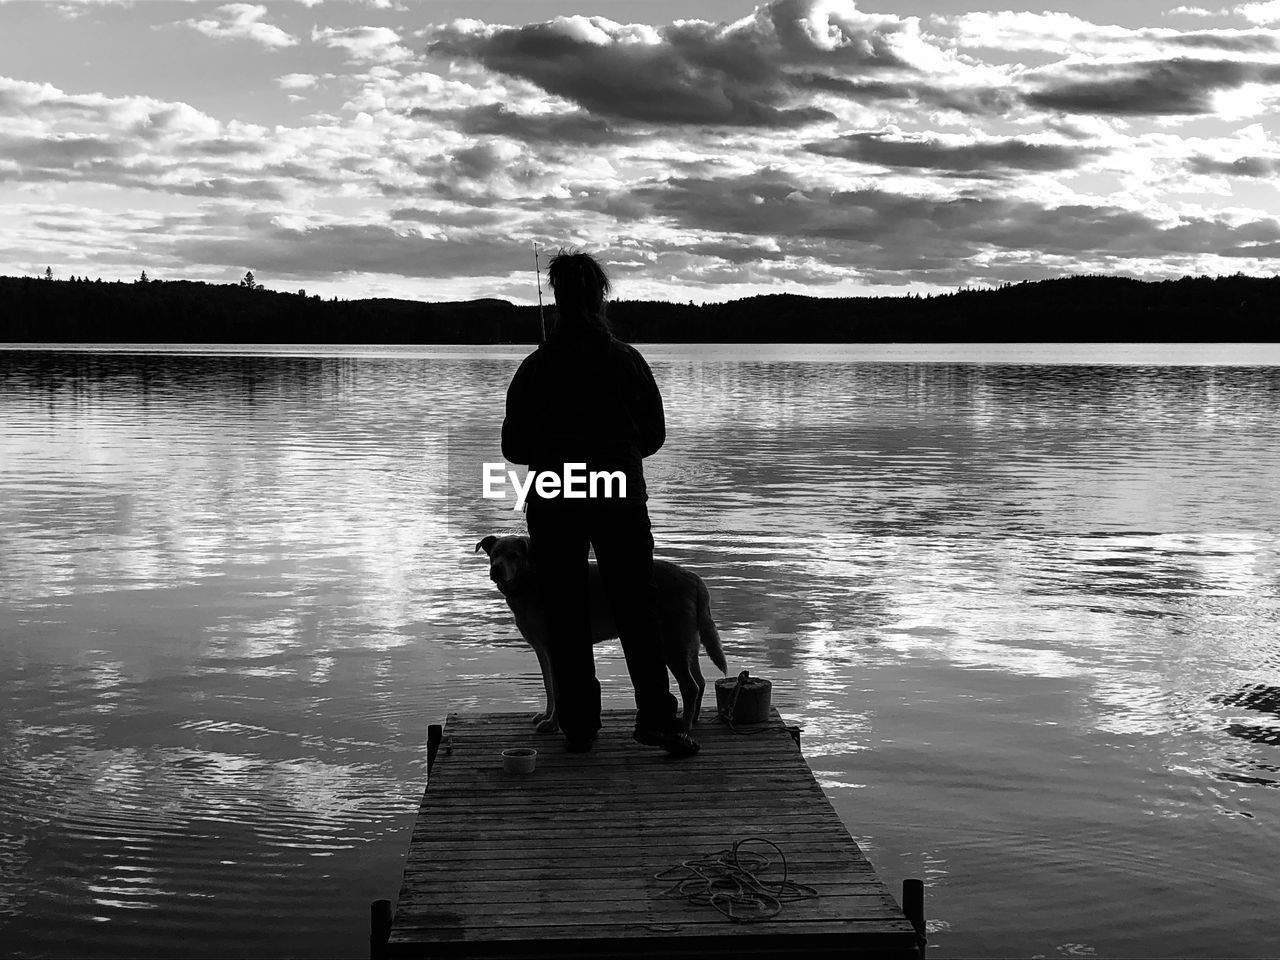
(537, 272)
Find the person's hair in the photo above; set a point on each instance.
(580, 286)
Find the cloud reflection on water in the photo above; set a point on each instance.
(1005, 601)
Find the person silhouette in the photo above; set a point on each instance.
(585, 397)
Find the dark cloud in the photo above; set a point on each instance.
(873, 230)
(735, 253)
(984, 101)
(1267, 251)
(225, 147)
(454, 216)
(478, 162)
(314, 172)
(471, 194)
(57, 152)
(496, 120)
(350, 248)
(228, 188)
(847, 87)
(149, 176)
(1233, 42)
(59, 227)
(697, 72)
(980, 158)
(1241, 167)
(1160, 87)
(171, 223)
(642, 82)
(100, 160)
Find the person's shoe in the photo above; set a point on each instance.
(579, 744)
(675, 742)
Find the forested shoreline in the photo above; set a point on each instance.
(1071, 309)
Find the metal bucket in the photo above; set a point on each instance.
(743, 699)
(519, 760)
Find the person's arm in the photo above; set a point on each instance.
(519, 427)
(650, 420)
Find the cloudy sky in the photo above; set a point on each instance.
(709, 149)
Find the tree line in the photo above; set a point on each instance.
(1071, 309)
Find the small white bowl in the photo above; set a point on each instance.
(519, 759)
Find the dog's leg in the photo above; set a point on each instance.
(546, 722)
(695, 670)
(689, 697)
(685, 669)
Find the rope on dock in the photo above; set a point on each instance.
(729, 880)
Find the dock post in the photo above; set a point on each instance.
(435, 733)
(913, 907)
(480, 836)
(379, 928)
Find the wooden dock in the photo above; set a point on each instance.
(562, 861)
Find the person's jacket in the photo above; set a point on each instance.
(584, 397)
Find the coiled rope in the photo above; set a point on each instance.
(729, 880)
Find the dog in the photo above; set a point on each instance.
(684, 611)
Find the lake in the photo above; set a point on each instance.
(1024, 601)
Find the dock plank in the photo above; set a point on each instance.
(578, 858)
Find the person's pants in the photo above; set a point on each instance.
(560, 532)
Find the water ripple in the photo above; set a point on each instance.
(1026, 613)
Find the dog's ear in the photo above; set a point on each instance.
(486, 544)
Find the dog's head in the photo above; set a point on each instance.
(510, 562)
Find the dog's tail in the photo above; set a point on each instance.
(707, 629)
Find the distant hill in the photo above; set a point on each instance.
(1080, 309)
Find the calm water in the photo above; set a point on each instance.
(1025, 602)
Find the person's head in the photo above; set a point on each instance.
(580, 285)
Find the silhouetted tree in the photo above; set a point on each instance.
(1081, 309)
(248, 282)
(144, 278)
(48, 273)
